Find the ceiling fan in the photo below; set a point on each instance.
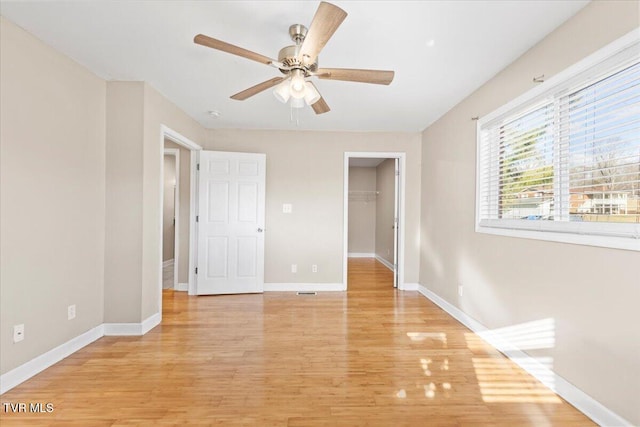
(300, 62)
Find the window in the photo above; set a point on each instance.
(562, 162)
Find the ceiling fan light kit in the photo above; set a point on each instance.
(282, 92)
(312, 95)
(299, 62)
(297, 86)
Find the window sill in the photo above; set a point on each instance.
(614, 242)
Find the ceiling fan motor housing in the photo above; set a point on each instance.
(298, 32)
(289, 55)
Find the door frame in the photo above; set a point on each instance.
(176, 214)
(173, 136)
(400, 196)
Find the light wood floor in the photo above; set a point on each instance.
(370, 357)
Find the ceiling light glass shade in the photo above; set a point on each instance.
(282, 92)
(312, 96)
(297, 102)
(297, 86)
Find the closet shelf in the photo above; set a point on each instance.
(363, 195)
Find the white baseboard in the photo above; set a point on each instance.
(582, 401)
(150, 322)
(385, 262)
(182, 287)
(167, 263)
(409, 287)
(132, 329)
(122, 329)
(304, 287)
(40, 363)
(27, 370)
(361, 255)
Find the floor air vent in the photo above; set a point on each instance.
(307, 293)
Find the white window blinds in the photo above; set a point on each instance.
(568, 157)
(600, 135)
(519, 153)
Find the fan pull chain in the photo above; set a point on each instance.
(297, 114)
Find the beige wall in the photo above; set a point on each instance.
(123, 250)
(306, 169)
(385, 209)
(362, 211)
(52, 196)
(185, 209)
(80, 207)
(168, 208)
(591, 293)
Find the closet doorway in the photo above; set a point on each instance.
(373, 210)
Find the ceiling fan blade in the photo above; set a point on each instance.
(254, 90)
(379, 77)
(325, 22)
(207, 41)
(320, 106)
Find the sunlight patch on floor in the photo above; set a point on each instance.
(500, 380)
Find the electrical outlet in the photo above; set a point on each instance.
(314, 268)
(71, 312)
(287, 208)
(294, 268)
(18, 333)
(460, 289)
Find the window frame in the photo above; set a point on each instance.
(622, 52)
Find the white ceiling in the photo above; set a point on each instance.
(153, 41)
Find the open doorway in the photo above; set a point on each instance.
(171, 217)
(374, 214)
(181, 184)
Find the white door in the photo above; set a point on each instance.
(231, 188)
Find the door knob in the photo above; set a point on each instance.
(259, 230)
